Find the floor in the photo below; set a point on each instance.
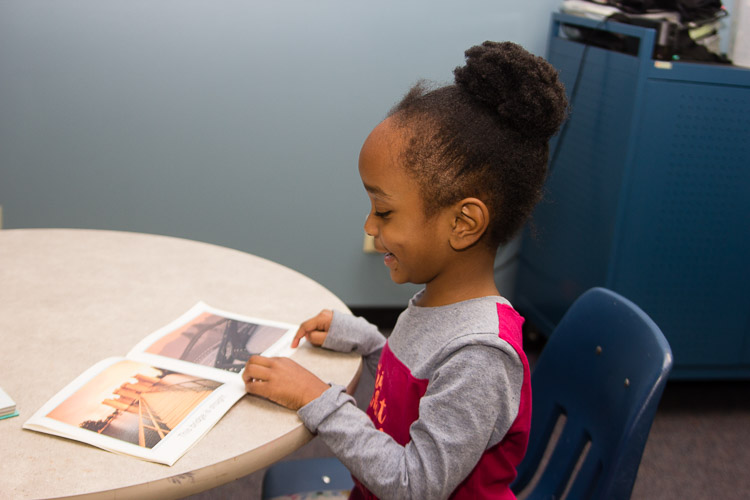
(699, 445)
(698, 448)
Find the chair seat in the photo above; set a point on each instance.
(306, 476)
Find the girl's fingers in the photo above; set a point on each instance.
(315, 329)
(317, 337)
(258, 360)
(301, 333)
(256, 368)
(282, 380)
(311, 324)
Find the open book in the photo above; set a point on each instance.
(7, 405)
(169, 390)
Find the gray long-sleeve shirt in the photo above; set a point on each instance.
(471, 400)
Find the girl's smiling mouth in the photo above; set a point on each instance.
(389, 259)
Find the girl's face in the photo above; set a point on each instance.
(415, 247)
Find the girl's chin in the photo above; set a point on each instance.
(392, 263)
(398, 279)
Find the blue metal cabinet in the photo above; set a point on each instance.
(649, 195)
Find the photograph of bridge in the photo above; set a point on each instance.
(216, 341)
(134, 402)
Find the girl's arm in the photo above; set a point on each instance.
(349, 333)
(469, 405)
(287, 383)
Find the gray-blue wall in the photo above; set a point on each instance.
(232, 122)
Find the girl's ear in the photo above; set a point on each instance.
(471, 218)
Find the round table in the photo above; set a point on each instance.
(69, 298)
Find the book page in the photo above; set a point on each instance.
(169, 391)
(218, 342)
(134, 408)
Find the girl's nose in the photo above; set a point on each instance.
(370, 226)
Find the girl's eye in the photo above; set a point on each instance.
(382, 215)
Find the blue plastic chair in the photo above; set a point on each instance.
(306, 476)
(604, 369)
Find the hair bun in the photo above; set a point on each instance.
(524, 89)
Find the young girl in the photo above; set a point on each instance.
(451, 174)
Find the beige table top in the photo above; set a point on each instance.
(69, 298)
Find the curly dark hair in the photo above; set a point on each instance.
(485, 136)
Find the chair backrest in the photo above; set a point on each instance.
(603, 369)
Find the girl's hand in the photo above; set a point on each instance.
(314, 329)
(282, 381)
